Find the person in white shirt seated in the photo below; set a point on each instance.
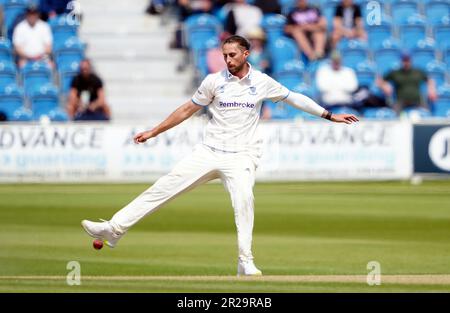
(242, 18)
(336, 83)
(32, 38)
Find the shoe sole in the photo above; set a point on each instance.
(96, 237)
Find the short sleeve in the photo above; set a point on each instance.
(318, 11)
(98, 82)
(47, 34)
(389, 76)
(275, 91)
(75, 83)
(205, 93)
(357, 13)
(290, 19)
(18, 38)
(339, 11)
(423, 75)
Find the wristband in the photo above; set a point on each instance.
(328, 116)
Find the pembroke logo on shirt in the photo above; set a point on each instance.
(235, 104)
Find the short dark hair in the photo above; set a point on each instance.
(241, 41)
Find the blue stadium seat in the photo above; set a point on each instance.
(199, 28)
(34, 75)
(377, 34)
(66, 75)
(352, 57)
(447, 57)
(23, 114)
(344, 110)
(62, 29)
(328, 11)
(282, 50)
(279, 110)
(72, 50)
(11, 100)
(416, 113)
(58, 115)
(441, 36)
(273, 25)
(441, 107)
(402, 10)
(365, 77)
(304, 89)
(43, 100)
(379, 113)
(387, 59)
(411, 34)
(200, 56)
(7, 73)
(291, 74)
(286, 6)
(352, 44)
(12, 9)
(421, 58)
(437, 12)
(5, 50)
(436, 70)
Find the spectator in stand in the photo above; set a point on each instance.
(406, 83)
(258, 57)
(308, 27)
(86, 100)
(214, 60)
(51, 8)
(348, 22)
(242, 18)
(336, 83)
(268, 6)
(32, 38)
(190, 7)
(187, 8)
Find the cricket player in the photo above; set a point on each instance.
(230, 150)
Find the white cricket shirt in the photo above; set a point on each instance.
(235, 105)
(32, 39)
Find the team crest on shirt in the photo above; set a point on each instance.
(252, 90)
(221, 89)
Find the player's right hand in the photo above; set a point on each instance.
(142, 137)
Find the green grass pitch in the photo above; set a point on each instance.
(303, 231)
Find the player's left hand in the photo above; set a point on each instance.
(344, 118)
(142, 137)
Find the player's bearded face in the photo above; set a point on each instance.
(235, 57)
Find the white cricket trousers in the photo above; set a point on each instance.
(237, 172)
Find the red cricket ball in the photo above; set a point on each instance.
(98, 244)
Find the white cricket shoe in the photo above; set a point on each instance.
(248, 268)
(103, 231)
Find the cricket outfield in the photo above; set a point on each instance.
(308, 237)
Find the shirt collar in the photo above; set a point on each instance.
(248, 76)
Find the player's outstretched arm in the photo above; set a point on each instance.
(308, 105)
(179, 115)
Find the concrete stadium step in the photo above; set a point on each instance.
(129, 46)
(145, 88)
(100, 7)
(130, 51)
(139, 70)
(144, 109)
